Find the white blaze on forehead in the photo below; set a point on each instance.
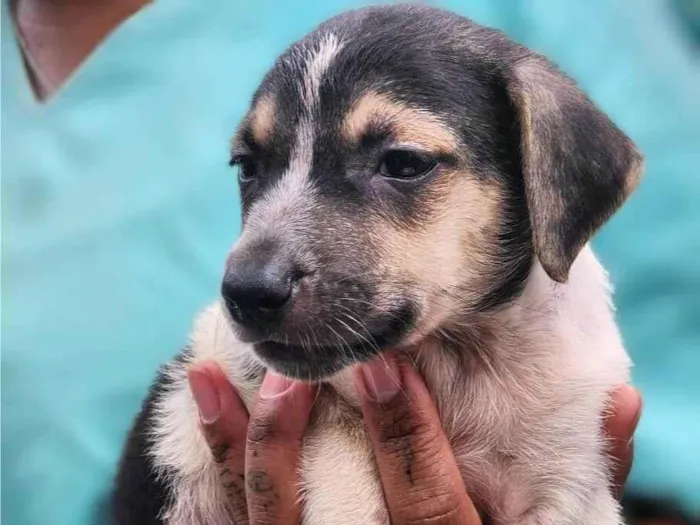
(288, 202)
(316, 64)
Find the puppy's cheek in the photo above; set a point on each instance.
(448, 259)
(408, 277)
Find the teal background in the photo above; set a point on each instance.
(118, 209)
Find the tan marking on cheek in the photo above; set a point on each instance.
(410, 125)
(262, 119)
(446, 258)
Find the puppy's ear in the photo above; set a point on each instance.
(578, 166)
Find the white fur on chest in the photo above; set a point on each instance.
(522, 411)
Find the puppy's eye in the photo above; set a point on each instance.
(246, 167)
(405, 164)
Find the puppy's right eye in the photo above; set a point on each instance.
(405, 164)
(247, 170)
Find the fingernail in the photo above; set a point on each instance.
(205, 396)
(381, 378)
(274, 385)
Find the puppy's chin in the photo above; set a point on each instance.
(316, 362)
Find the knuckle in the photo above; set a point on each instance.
(236, 498)
(433, 508)
(262, 429)
(222, 441)
(262, 496)
(220, 452)
(396, 424)
(401, 428)
(266, 435)
(240, 514)
(262, 512)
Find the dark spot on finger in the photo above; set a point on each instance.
(408, 457)
(220, 452)
(260, 430)
(259, 481)
(235, 490)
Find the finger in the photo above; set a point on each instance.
(275, 435)
(419, 474)
(620, 426)
(224, 421)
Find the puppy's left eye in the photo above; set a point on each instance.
(405, 164)
(246, 167)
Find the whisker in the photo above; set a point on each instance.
(342, 341)
(354, 332)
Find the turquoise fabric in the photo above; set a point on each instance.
(118, 210)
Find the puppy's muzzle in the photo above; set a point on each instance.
(306, 319)
(259, 288)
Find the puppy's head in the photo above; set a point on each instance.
(401, 167)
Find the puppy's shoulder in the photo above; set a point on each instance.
(167, 449)
(142, 491)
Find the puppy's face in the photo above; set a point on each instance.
(383, 174)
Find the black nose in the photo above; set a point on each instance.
(255, 293)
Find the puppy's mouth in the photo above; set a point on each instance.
(312, 361)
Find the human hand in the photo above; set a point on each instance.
(258, 455)
(620, 425)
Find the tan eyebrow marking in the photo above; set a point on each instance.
(262, 119)
(410, 125)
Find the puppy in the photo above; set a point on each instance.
(411, 180)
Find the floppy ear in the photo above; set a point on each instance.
(578, 166)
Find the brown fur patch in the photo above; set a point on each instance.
(634, 176)
(410, 125)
